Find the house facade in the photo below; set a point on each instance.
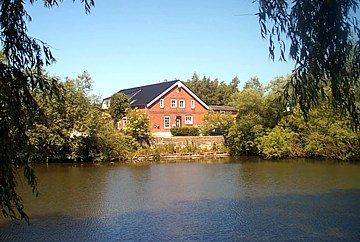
(167, 104)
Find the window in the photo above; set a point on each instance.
(124, 122)
(192, 103)
(161, 103)
(106, 104)
(173, 103)
(181, 103)
(188, 120)
(166, 122)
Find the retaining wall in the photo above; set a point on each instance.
(201, 141)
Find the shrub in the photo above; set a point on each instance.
(168, 148)
(138, 126)
(216, 124)
(336, 142)
(280, 143)
(243, 135)
(110, 144)
(185, 131)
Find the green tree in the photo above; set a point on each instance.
(249, 122)
(215, 120)
(119, 104)
(213, 92)
(280, 143)
(255, 84)
(75, 129)
(138, 126)
(248, 101)
(20, 72)
(225, 91)
(257, 111)
(324, 38)
(275, 106)
(70, 122)
(328, 134)
(325, 134)
(243, 135)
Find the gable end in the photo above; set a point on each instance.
(178, 84)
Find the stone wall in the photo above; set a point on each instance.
(201, 141)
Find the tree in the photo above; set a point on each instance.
(75, 130)
(138, 126)
(279, 143)
(257, 111)
(249, 122)
(215, 120)
(119, 103)
(324, 39)
(213, 92)
(71, 124)
(20, 73)
(254, 83)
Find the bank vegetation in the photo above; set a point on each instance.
(75, 129)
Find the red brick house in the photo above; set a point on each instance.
(167, 104)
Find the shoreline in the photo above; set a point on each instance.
(179, 157)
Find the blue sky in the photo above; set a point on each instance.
(123, 44)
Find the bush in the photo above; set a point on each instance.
(216, 124)
(336, 142)
(243, 135)
(280, 143)
(138, 126)
(110, 144)
(185, 131)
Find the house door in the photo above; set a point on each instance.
(178, 121)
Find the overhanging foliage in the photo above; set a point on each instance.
(325, 45)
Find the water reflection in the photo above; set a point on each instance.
(70, 190)
(193, 201)
(269, 178)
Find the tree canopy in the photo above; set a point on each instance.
(325, 45)
(264, 127)
(20, 76)
(119, 103)
(213, 92)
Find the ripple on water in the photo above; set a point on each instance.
(185, 202)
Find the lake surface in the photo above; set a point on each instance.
(228, 200)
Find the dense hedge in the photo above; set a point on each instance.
(185, 131)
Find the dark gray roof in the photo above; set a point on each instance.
(141, 96)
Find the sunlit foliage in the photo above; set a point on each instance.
(324, 39)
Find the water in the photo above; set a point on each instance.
(244, 200)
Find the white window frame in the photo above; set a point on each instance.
(180, 102)
(161, 103)
(192, 104)
(106, 104)
(188, 119)
(169, 123)
(124, 122)
(173, 101)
